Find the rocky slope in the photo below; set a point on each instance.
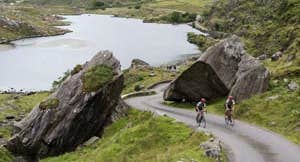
(79, 109)
(223, 69)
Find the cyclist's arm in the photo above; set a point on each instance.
(233, 105)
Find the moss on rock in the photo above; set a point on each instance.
(76, 69)
(201, 41)
(96, 77)
(50, 103)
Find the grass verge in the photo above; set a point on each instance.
(142, 137)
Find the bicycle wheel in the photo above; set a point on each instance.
(231, 122)
(226, 122)
(203, 123)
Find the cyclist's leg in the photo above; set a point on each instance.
(197, 117)
(201, 116)
(230, 115)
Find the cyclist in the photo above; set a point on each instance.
(229, 107)
(200, 108)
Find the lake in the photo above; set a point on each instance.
(33, 64)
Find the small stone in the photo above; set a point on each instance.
(25, 140)
(276, 56)
(262, 57)
(139, 87)
(290, 57)
(273, 97)
(285, 80)
(91, 141)
(272, 123)
(212, 148)
(293, 86)
(152, 74)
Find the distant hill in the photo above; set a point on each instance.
(87, 3)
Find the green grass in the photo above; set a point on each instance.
(10, 105)
(194, 6)
(265, 26)
(5, 156)
(134, 77)
(96, 77)
(280, 115)
(142, 137)
(159, 10)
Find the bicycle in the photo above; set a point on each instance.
(201, 120)
(229, 121)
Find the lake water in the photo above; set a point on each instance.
(33, 64)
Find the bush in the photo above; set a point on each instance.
(50, 103)
(97, 5)
(138, 87)
(96, 77)
(201, 41)
(137, 7)
(179, 17)
(59, 81)
(76, 69)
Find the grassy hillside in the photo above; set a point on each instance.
(34, 20)
(17, 106)
(266, 26)
(88, 3)
(141, 77)
(159, 10)
(142, 137)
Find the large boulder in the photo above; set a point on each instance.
(190, 85)
(139, 64)
(73, 113)
(223, 69)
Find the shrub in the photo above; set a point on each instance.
(76, 69)
(96, 77)
(137, 7)
(179, 17)
(50, 103)
(97, 5)
(201, 41)
(59, 81)
(138, 87)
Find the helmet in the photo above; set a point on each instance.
(203, 100)
(230, 97)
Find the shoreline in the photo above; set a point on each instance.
(7, 42)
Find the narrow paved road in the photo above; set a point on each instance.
(244, 142)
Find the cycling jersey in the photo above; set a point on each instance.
(230, 103)
(201, 106)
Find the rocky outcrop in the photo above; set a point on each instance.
(212, 148)
(70, 116)
(191, 86)
(138, 64)
(223, 69)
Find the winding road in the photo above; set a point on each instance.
(244, 142)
